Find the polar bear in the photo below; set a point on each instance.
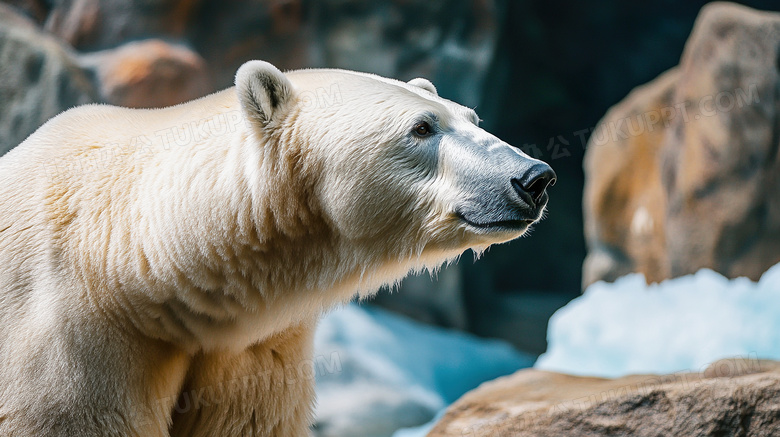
(149, 258)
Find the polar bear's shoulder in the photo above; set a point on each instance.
(106, 123)
(99, 112)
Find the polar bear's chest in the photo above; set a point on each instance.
(220, 322)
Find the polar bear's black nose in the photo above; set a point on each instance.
(534, 182)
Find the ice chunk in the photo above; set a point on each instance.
(386, 372)
(681, 324)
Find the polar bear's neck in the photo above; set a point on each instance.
(239, 253)
(230, 232)
(211, 243)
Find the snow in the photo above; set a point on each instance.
(681, 324)
(383, 372)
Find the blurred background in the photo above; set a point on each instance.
(540, 73)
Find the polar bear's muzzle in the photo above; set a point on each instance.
(505, 189)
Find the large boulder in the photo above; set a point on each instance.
(149, 74)
(39, 78)
(451, 42)
(683, 174)
(226, 34)
(625, 206)
(721, 166)
(734, 397)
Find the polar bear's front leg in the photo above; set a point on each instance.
(266, 390)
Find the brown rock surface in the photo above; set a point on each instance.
(149, 74)
(721, 168)
(683, 174)
(625, 206)
(735, 397)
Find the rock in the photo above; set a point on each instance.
(625, 206)
(35, 9)
(451, 43)
(683, 174)
(734, 397)
(721, 166)
(149, 74)
(91, 25)
(227, 34)
(39, 78)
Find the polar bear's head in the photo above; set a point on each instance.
(389, 162)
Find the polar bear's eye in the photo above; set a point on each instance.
(422, 129)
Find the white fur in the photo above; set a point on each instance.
(146, 269)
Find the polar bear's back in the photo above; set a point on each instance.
(97, 125)
(83, 144)
(73, 161)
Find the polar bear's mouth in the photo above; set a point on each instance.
(510, 224)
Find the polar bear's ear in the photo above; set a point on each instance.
(424, 84)
(263, 90)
